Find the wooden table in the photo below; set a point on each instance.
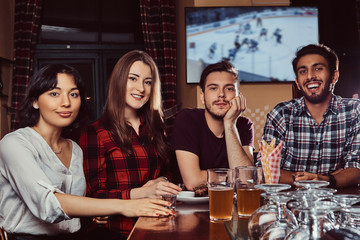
(191, 221)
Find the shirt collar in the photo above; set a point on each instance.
(334, 105)
(142, 127)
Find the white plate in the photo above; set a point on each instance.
(187, 199)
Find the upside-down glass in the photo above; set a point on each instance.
(220, 183)
(282, 226)
(311, 184)
(264, 216)
(355, 217)
(314, 227)
(314, 208)
(345, 201)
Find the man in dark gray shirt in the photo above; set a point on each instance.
(216, 136)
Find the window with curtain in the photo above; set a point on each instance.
(91, 21)
(90, 35)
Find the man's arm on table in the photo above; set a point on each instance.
(190, 170)
(286, 177)
(347, 177)
(344, 177)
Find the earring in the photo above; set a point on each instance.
(36, 107)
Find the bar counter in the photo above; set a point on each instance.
(191, 221)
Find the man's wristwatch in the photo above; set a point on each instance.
(332, 180)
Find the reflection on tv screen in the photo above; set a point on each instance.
(260, 41)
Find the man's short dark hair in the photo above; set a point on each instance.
(223, 66)
(320, 49)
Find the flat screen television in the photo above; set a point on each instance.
(260, 41)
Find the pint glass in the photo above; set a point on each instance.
(220, 182)
(248, 198)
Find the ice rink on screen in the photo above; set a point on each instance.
(271, 59)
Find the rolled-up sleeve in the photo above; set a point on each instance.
(19, 166)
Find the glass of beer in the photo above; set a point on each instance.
(248, 197)
(220, 182)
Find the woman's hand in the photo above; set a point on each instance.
(145, 207)
(156, 188)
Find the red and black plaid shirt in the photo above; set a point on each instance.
(111, 174)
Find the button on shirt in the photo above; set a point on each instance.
(309, 147)
(30, 173)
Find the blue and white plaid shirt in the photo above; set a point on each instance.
(310, 147)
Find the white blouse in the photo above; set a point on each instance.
(30, 173)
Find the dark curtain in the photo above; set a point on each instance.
(159, 30)
(26, 29)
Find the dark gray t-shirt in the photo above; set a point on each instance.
(191, 133)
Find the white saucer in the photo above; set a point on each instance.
(185, 196)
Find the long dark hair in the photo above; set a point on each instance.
(114, 111)
(42, 81)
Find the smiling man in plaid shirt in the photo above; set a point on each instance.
(321, 131)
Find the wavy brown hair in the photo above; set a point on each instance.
(114, 111)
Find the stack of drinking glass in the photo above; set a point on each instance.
(312, 211)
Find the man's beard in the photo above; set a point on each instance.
(213, 114)
(314, 99)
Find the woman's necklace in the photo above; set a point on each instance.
(57, 152)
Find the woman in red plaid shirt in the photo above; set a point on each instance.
(125, 150)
